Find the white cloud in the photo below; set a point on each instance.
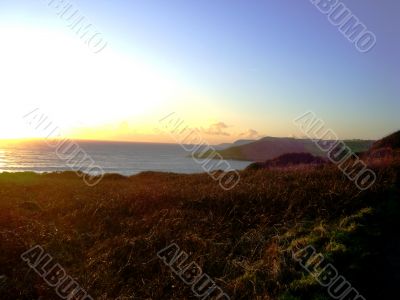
(216, 129)
(250, 133)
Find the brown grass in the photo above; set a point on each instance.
(107, 236)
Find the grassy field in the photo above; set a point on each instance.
(107, 237)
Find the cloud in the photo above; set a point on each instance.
(216, 129)
(251, 134)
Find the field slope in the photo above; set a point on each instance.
(107, 237)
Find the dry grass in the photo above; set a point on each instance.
(107, 236)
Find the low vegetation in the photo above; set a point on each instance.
(290, 160)
(107, 236)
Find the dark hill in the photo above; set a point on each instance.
(386, 148)
(391, 141)
(271, 147)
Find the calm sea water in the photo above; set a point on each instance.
(113, 157)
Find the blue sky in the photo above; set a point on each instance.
(259, 63)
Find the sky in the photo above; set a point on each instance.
(234, 69)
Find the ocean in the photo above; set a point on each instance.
(113, 157)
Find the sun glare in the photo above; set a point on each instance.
(55, 72)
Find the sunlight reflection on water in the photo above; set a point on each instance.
(113, 157)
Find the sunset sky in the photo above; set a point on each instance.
(233, 68)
